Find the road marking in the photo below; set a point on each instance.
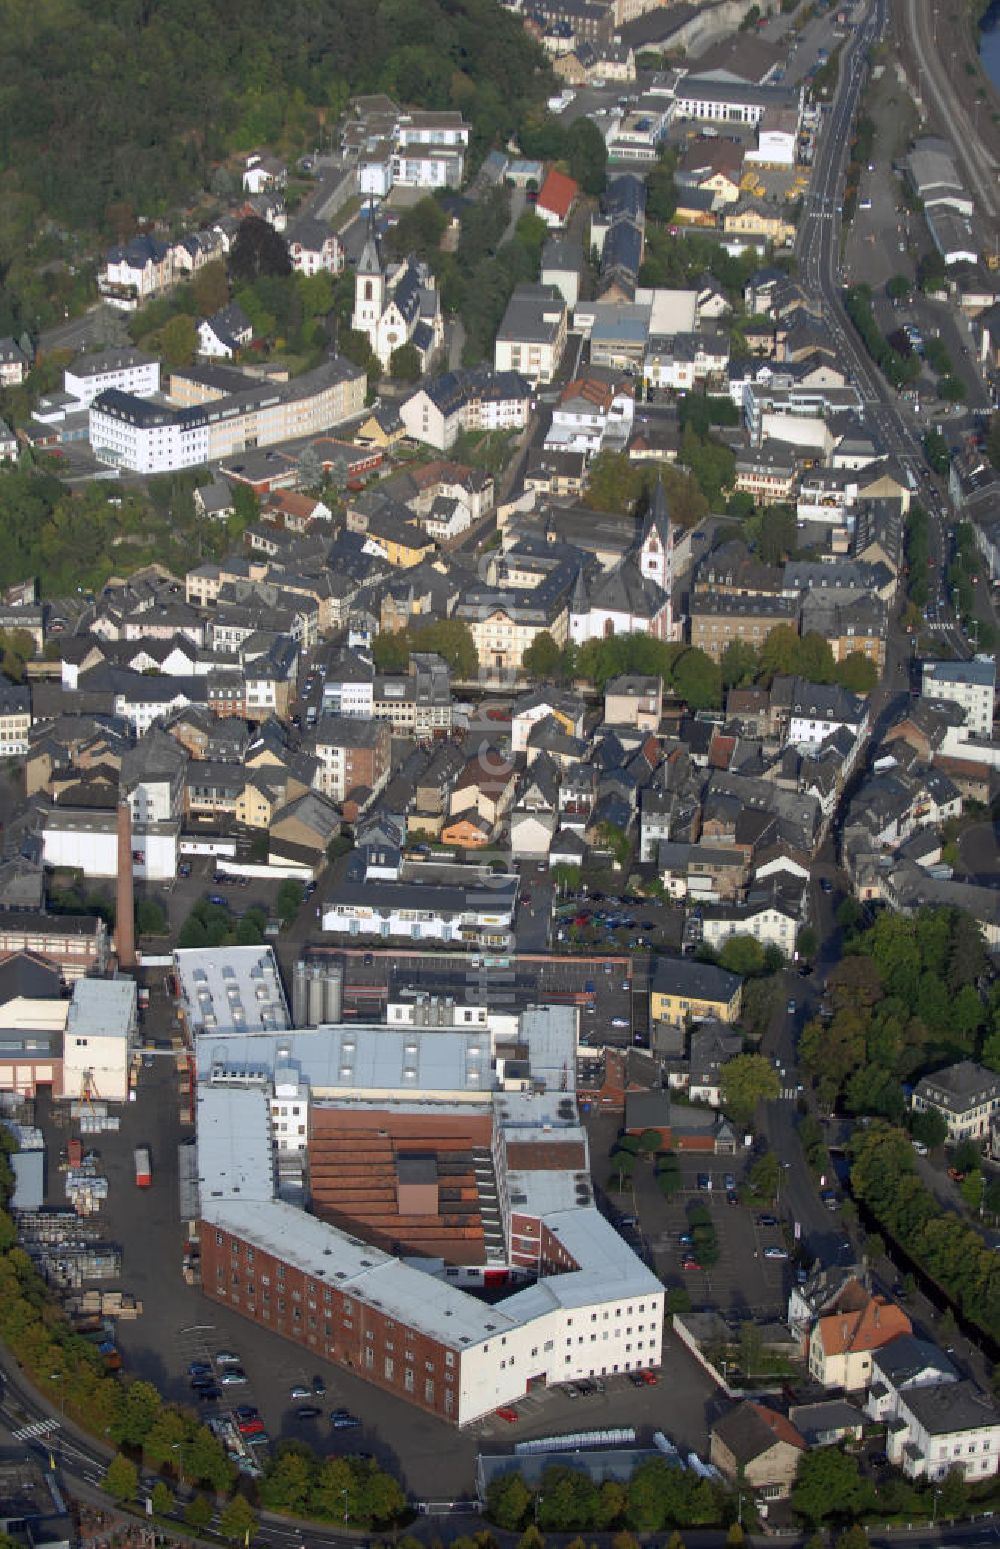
(36, 1428)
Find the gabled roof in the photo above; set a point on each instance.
(557, 193)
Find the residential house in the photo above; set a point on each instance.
(716, 620)
(485, 787)
(755, 1446)
(683, 990)
(314, 248)
(225, 334)
(952, 1425)
(556, 198)
(971, 685)
(634, 701)
(843, 1343)
(537, 705)
(352, 754)
(477, 399)
(592, 414)
(906, 1362)
(965, 1095)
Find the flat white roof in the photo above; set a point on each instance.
(343, 1059)
(230, 990)
(102, 1008)
(235, 1160)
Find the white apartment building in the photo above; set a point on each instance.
(129, 370)
(15, 719)
(129, 432)
(532, 335)
(971, 685)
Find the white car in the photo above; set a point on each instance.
(619, 1021)
(776, 1253)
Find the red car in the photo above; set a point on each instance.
(649, 1378)
(509, 1414)
(690, 1264)
(250, 1427)
(581, 919)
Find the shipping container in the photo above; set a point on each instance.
(143, 1167)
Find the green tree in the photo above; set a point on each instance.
(210, 288)
(744, 1082)
(698, 680)
(121, 1478)
(404, 363)
(238, 1523)
(929, 1128)
(198, 1513)
(137, 1413)
(807, 942)
(764, 1175)
(738, 664)
(508, 1502)
(857, 673)
(162, 1498)
(741, 955)
(587, 154)
(542, 658)
(288, 900)
(779, 655)
(829, 1483)
(177, 341)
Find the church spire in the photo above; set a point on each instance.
(370, 261)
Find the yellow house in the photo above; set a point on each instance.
(842, 1343)
(257, 804)
(382, 429)
(687, 991)
(757, 220)
(404, 544)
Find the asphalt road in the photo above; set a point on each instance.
(818, 251)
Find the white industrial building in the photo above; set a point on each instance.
(97, 1044)
(581, 1303)
(87, 841)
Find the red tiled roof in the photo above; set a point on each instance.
(557, 193)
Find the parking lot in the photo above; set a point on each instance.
(744, 1279)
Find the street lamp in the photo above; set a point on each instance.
(935, 1507)
(60, 1377)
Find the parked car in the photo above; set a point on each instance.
(233, 1377)
(319, 1387)
(729, 1181)
(343, 1420)
(635, 1378)
(705, 1182)
(226, 1358)
(200, 1369)
(300, 1391)
(776, 1253)
(649, 1378)
(619, 1021)
(509, 1413)
(690, 1264)
(208, 1394)
(308, 1412)
(767, 1220)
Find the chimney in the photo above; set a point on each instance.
(125, 896)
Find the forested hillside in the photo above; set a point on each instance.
(111, 109)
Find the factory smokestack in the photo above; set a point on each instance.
(125, 898)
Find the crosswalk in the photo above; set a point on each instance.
(36, 1428)
(788, 1093)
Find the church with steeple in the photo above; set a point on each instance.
(636, 595)
(396, 304)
